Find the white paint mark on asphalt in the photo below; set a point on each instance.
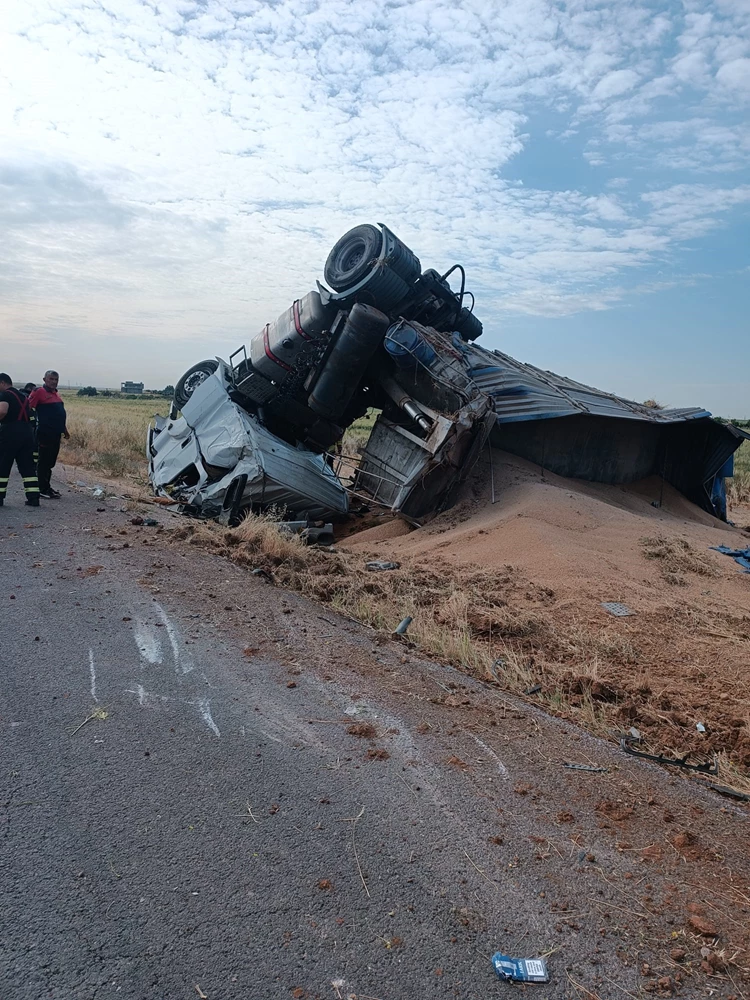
(148, 644)
(92, 672)
(500, 766)
(140, 691)
(181, 666)
(204, 706)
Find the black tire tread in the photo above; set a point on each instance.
(371, 240)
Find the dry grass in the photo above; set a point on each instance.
(677, 557)
(503, 629)
(464, 616)
(356, 436)
(109, 435)
(738, 488)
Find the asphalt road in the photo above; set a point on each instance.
(196, 835)
(185, 813)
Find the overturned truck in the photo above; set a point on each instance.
(263, 429)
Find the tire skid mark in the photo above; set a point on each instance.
(202, 704)
(92, 674)
(182, 665)
(500, 766)
(148, 643)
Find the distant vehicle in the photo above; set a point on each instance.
(256, 431)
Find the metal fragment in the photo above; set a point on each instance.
(587, 767)
(617, 609)
(403, 625)
(706, 768)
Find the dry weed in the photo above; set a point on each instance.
(676, 557)
(738, 488)
(732, 776)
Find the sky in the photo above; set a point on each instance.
(173, 174)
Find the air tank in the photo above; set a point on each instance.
(361, 336)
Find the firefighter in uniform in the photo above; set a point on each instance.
(16, 441)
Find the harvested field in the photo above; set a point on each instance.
(512, 592)
(109, 435)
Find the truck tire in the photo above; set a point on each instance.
(353, 257)
(192, 378)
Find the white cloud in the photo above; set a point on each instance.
(735, 75)
(615, 83)
(179, 172)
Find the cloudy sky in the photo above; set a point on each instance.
(174, 172)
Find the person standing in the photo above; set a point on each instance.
(26, 392)
(16, 441)
(51, 426)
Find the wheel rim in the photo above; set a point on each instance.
(192, 383)
(351, 256)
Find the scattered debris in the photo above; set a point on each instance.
(587, 767)
(380, 566)
(520, 970)
(700, 727)
(98, 713)
(311, 532)
(702, 925)
(617, 609)
(706, 768)
(403, 625)
(731, 793)
(534, 690)
(740, 556)
(364, 729)
(90, 570)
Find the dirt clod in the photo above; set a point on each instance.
(702, 925)
(365, 730)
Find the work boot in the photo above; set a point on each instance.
(33, 503)
(50, 494)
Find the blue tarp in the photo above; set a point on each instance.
(741, 556)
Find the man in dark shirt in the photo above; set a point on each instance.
(51, 426)
(16, 441)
